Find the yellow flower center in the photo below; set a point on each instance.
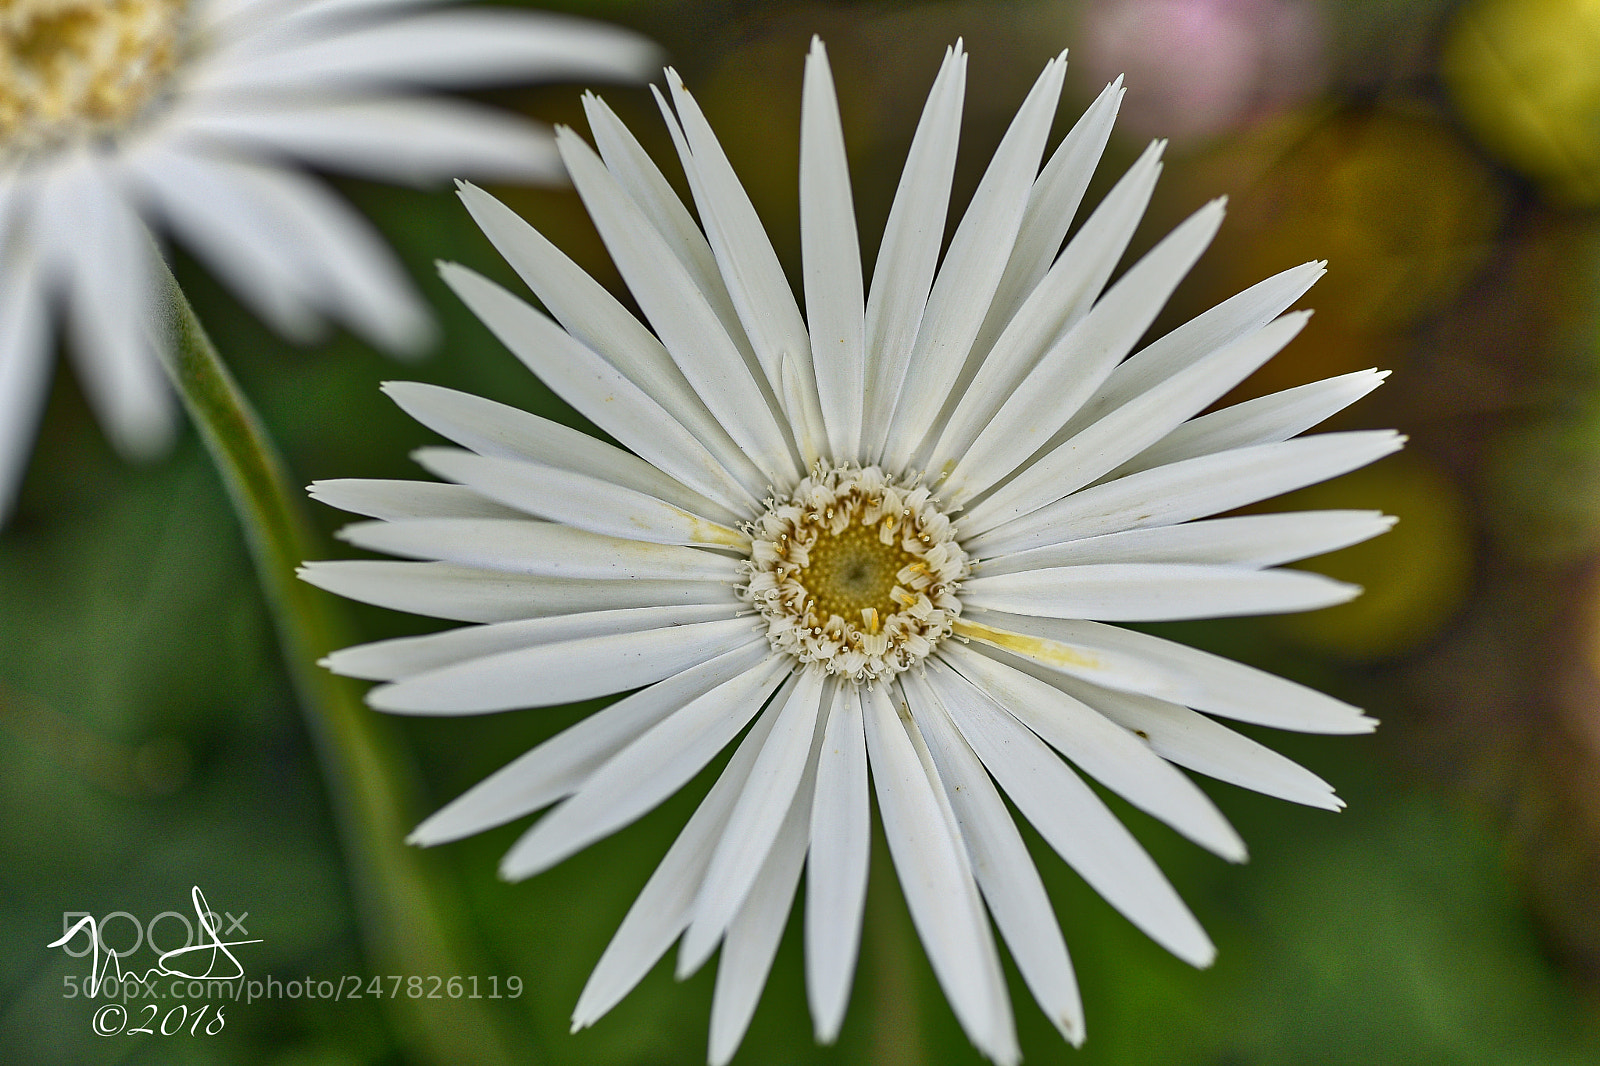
(856, 572)
(76, 68)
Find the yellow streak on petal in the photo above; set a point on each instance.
(1048, 652)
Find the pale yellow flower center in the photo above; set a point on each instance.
(75, 68)
(855, 572)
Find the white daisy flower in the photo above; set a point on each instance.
(878, 540)
(189, 113)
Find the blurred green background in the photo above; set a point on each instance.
(1444, 157)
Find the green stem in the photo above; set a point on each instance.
(405, 909)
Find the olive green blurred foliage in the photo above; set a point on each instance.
(148, 739)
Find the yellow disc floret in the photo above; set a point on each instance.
(855, 572)
(76, 68)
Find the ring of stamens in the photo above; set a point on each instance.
(82, 68)
(855, 572)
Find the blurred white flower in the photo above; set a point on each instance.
(887, 535)
(191, 114)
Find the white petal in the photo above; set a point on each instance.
(972, 268)
(217, 217)
(1137, 662)
(468, 594)
(836, 872)
(592, 315)
(663, 908)
(1102, 749)
(400, 657)
(1052, 203)
(1124, 432)
(564, 672)
(1002, 865)
(498, 430)
(753, 937)
(419, 140)
(101, 256)
(756, 282)
(1189, 489)
(831, 263)
(1194, 741)
(576, 499)
(647, 771)
(936, 879)
(910, 248)
(678, 310)
(1057, 304)
(1236, 317)
(753, 827)
(529, 547)
(456, 48)
(1154, 592)
(390, 500)
(1263, 420)
(559, 767)
(1249, 540)
(593, 386)
(25, 361)
(1075, 365)
(1072, 819)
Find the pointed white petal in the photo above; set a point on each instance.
(1075, 365)
(1002, 865)
(1236, 317)
(936, 878)
(647, 771)
(577, 500)
(468, 594)
(753, 827)
(504, 432)
(756, 282)
(1052, 308)
(1263, 420)
(836, 871)
(592, 315)
(1102, 749)
(400, 657)
(1194, 741)
(1129, 661)
(528, 547)
(972, 268)
(753, 937)
(391, 500)
(1189, 489)
(664, 906)
(1052, 204)
(1154, 592)
(1249, 540)
(1126, 431)
(593, 386)
(1072, 819)
(910, 249)
(559, 767)
(831, 259)
(563, 672)
(678, 310)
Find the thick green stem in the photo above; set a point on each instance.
(408, 916)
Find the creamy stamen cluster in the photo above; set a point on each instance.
(81, 68)
(856, 572)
